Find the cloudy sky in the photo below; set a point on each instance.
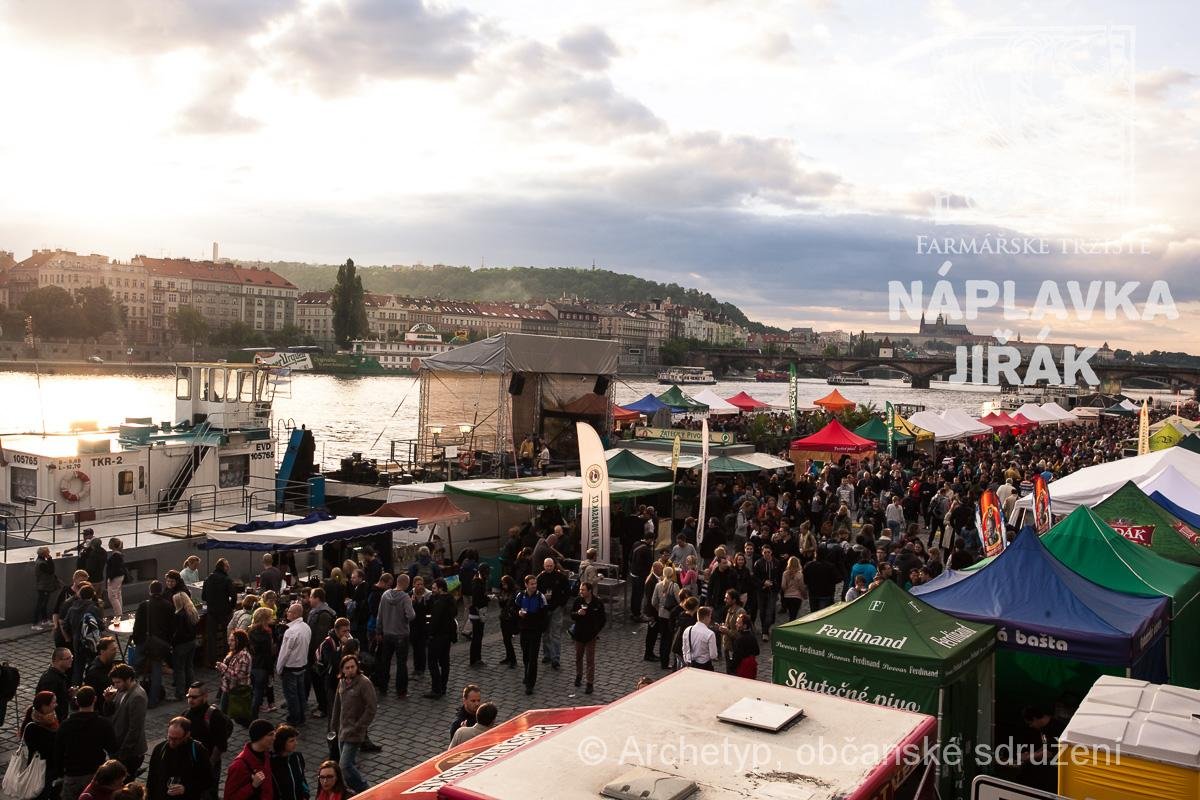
(783, 154)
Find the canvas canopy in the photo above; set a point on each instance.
(426, 511)
(875, 429)
(763, 460)
(1128, 405)
(715, 404)
(1131, 513)
(1090, 485)
(624, 414)
(834, 438)
(726, 464)
(747, 403)
(1000, 421)
(659, 459)
(915, 431)
(1183, 423)
(648, 405)
(1097, 552)
(1067, 617)
(625, 464)
(1058, 411)
(942, 429)
(680, 402)
(1118, 410)
(523, 352)
(1038, 414)
(892, 649)
(1166, 436)
(1024, 421)
(1191, 442)
(566, 491)
(969, 424)
(305, 533)
(1175, 486)
(834, 402)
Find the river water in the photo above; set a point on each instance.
(365, 413)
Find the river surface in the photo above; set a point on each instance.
(365, 413)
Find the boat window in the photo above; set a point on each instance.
(22, 484)
(183, 385)
(141, 477)
(234, 471)
(125, 481)
(216, 385)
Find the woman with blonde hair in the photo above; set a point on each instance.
(335, 591)
(792, 587)
(262, 655)
(664, 600)
(183, 643)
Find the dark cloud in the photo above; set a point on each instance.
(337, 45)
(141, 27)
(588, 48)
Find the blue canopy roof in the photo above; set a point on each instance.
(647, 405)
(1184, 514)
(1041, 606)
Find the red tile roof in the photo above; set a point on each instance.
(211, 271)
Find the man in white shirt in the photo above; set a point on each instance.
(292, 662)
(699, 642)
(485, 718)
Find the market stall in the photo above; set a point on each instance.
(1130, 512)
(875, 429)
(715, 404)
(747, 403)
(680, 403)
(834, 402)
(1090, 485)
(828, 444)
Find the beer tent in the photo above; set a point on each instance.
(715, 404)
(1090, 485)
(875, 429)
(679, 402)
(648, 405)
(1056, 630)
(1175, 491)
(1166, 436)
(892, 649)
(747, 403)
(1131, 513)
(626, 464)
(1094, 550)
(834, 402)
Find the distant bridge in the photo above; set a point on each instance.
(924, 369)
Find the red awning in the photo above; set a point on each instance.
(745, 402)
(427, 511)
(624, 414)
(834, 402)
(834, 438)
(1024, 421)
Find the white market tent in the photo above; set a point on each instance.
(715, 404)
(1129, 405)
(942, 429)
(962, 419)
(1175, 486)
(303, 533)
(1059, 412)
(1034, 412)
(764, 460)
(1090, 485)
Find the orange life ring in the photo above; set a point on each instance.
(466, 460)
(85, 485)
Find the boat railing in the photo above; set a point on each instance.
(48, 512)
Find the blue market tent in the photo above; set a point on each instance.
(648, 405)
(1056, 630)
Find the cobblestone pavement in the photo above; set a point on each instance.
(409, 730)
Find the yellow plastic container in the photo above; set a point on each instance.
(1132, 740)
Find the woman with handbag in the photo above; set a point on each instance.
(236, 693)
(37, 735)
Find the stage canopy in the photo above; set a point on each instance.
(680, 402)
(648, 405)
(834, 402)
(1067, 616)
(566, 491)
(715, 404)
(305, 533)
(834, 438)
(747, 403)
(1097, 552)
(1090, 485)
(1131, 513)
(875, 429)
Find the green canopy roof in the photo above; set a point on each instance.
(1134, 515)
(1191, 442)
(727, 464)
(627, 465)
(875, 429)
(890, 633)
(1090, 548)
(678, 401)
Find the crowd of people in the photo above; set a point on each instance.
(773, 547)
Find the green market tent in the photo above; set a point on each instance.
(1132, 513)
(875, 429)
(627, 465)
(889, 648)
(1191, 442)
(1118, 410)
(680, 402)
(1097, 552)
(725, 464)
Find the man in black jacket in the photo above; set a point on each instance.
(210, 728)
(554, 586)
(221, 597)
(57, 679)
(768, 572)
(360, 594)
(441, 628)
(639, 567)
(97, 674)
(84, 741)
(153, 629)
(587, 620)
(821, 577)
(180, 766)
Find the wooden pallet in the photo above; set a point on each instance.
(201, 528)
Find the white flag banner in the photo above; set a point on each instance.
(594, 469)
(703, 482)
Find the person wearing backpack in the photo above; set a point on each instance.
(83, 623)
(180, 766)
(211, 728)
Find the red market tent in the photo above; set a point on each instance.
(745, 402)
(834, 402)
(998, 420)
(624, 414)
(1024, 421)
(833, 438)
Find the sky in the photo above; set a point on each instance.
(790, 156)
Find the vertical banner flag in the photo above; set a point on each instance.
(793, 398)
(1144, 429)
(1041, 505)
(990, 522)
(700, 522)
(890, 417)
(675, 456)
(594, 470)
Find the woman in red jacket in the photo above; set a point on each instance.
(249, 774)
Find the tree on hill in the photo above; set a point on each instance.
(348, 305)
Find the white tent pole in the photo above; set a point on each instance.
(937, 766)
